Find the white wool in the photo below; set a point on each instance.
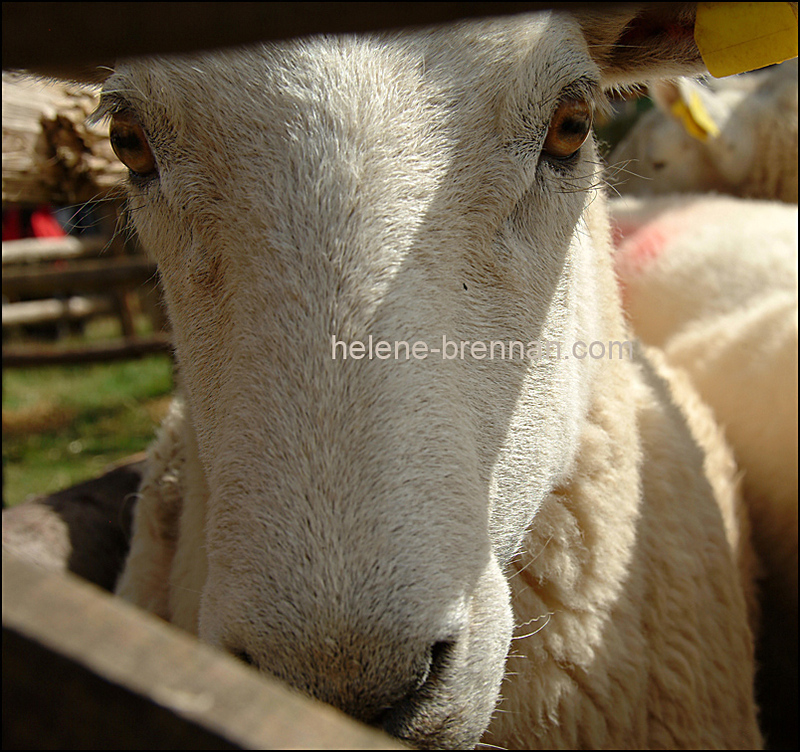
(712, 280)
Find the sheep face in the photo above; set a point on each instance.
(325, 212)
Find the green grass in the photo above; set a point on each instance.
(65, 424)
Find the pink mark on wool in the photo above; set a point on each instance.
(639, 245)
(640, 242)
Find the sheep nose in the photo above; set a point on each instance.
(372, 697)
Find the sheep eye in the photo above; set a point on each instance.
(569, 128)
(129, 143)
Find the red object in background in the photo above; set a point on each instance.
(44, 224)
(26, 223)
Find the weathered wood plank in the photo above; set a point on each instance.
(82, 669)
(53, 309)
(86, 275)
(33, 250)
(50, 153)
(53, 38)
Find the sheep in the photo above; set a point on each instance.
(373, 530)
(84, 529)
(712, 280)
(746, 144)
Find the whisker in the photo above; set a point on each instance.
(533, 559)
(536, 631)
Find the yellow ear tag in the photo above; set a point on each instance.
(738, 37)
(695, 117)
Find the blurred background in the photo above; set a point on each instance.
(87, 366)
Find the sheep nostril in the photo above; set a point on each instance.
(438, 658)
(396, 720)
(441, 653)
(243, 656)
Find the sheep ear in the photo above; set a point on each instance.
(639, 42)
(693, 105)
(664, 93)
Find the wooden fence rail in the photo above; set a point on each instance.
(35, 250)
(84, 670)
(54, 309)
(51, 156)
(87, 275)
(59, 292)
